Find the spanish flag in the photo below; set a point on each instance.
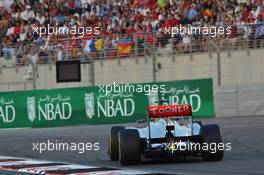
(124, 47)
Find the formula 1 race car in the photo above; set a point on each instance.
(170, 130)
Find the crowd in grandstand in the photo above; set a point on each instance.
(123, 24)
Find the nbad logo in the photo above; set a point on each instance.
(7, 110)
(109, 105)
(49, 108)
(184, 95)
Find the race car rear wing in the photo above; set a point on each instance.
(176, 110)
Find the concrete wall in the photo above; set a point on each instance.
(239, 69)
(124, 70)
(242, 100)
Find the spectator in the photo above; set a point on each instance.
(260, 28)
(27, 14)
(118, 17)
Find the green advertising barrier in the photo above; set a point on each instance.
(111, 104)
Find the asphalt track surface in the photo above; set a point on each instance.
(245, 133)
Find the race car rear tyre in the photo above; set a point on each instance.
(211, 135)
(129, 147)
(113, 142)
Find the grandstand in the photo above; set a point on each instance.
(138, 25)
(125, 30)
